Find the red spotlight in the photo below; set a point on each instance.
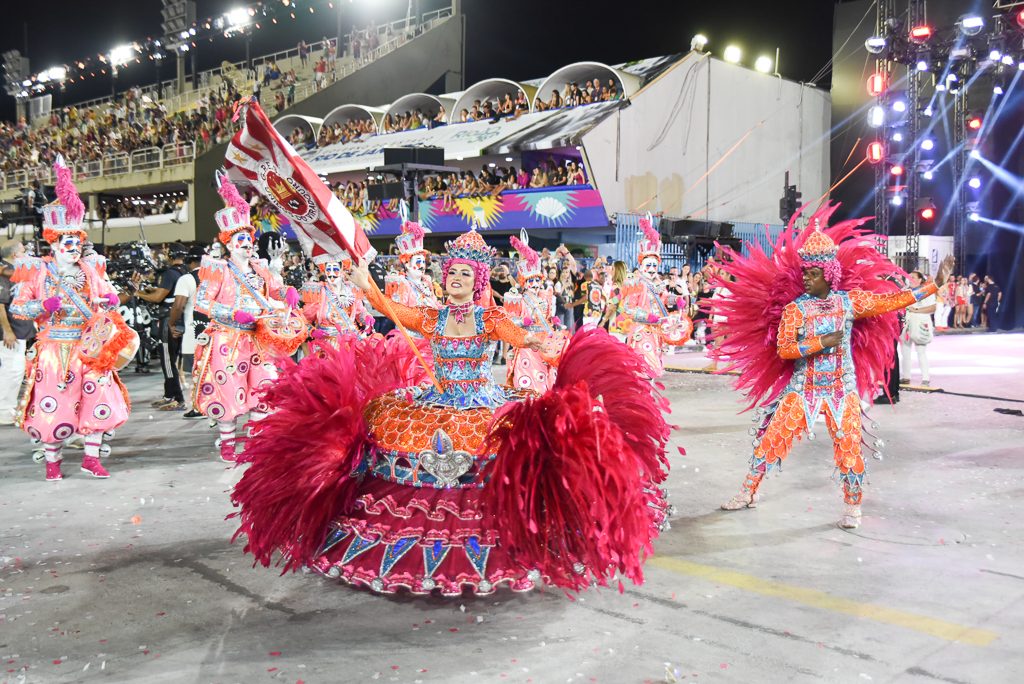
(920, 34)
(974, 123)
(876, 84)
(1020, 18)
(927, 214)
(876, 152)
(896, 170)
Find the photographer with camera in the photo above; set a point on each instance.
(170, 349)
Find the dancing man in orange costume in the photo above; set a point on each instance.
(833, 343)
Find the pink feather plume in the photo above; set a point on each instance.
(67, 194)
(650, 233)
(762, 286)
(526, 253)
(229, 193)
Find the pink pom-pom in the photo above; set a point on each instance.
(318, 334)
(243, 317)
(51, 304)
(112, 300)
(680, 302)
(291, 297)
(414, 229)
(653, 318)
(527, 321)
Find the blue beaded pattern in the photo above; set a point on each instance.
(477, 555)
(394, 553)
(433, 556)
(358, 546)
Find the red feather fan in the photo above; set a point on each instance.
(303, 453)
(572, 490)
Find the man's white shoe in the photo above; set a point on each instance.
(851, 518)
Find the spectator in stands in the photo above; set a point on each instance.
(303, 53)
(271, 72)
(320, 74)
(539, 179)
(440, 119)
(575, 174)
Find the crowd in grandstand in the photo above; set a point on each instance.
(573, 95)
(131, 122)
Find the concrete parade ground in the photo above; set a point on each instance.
(134, 579)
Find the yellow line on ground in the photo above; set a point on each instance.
(819, 599)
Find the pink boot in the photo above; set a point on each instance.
(53, 473)
(227, 450)
(91, 466)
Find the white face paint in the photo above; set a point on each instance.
(217, 250)
(240, 246)
(533, 284)
(415, 267)
(67, 251)
(649, 267)
(332, 274)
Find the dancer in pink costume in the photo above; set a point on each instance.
(333, 306)
(531, 307)
(61, 292)
(414, 288)
(643, 301)
(231, 366)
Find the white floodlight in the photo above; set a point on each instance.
(764, 64)
(237, 17)
(732, 54)
(874, 44)
(971, 25)
(698, 42)
(120, 55)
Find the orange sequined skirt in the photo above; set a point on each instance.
(409, 533)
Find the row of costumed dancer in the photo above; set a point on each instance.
(399, 462)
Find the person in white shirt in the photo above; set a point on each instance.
(182, 321)
(917, 332)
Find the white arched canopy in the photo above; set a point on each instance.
(354, 112)
(427, 105)
(309, 125)
(579, 73)
(493, 89)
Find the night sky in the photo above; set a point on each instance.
(517, 39)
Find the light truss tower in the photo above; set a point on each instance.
(959, 162)
(915, 82)
(886, 11)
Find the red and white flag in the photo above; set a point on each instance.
(259, 154)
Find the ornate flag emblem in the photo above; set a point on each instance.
(290, 197)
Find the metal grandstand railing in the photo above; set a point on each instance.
(399, 31)
(120, 163)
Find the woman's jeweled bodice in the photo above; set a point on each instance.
(463, 368)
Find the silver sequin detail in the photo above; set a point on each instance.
(444, 462)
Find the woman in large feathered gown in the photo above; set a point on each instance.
(369, 474)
